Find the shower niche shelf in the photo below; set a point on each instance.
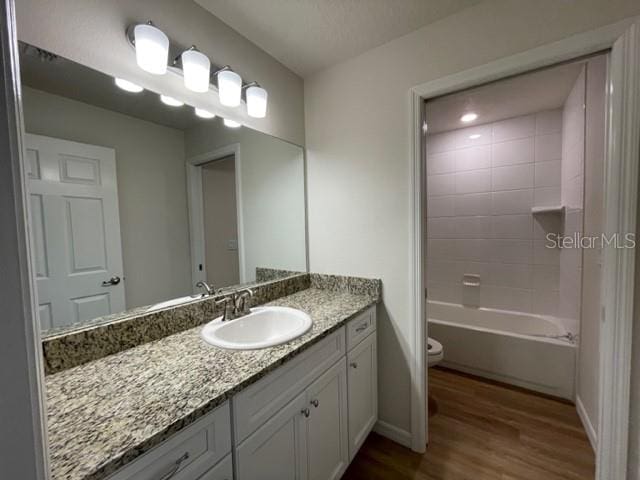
(552, 209)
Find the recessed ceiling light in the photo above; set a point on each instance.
(475, 136)
(202, 113)
(468, 117)
(172, 102)
(128, 86)
(231, 123)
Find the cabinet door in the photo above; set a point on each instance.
(327, 436)
(362, 379)
(278, 449)
(222, 471)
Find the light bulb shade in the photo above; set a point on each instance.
(231, 123)
(172, 102)
(229, 88)
(128, 86)
(202, 113)
(152, 49)
(256, 102)
(196, 68)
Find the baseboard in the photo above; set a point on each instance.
(393, 433)
(586, 423)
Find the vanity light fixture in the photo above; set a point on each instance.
(152, 48)
(202, 113)
(128, 86)
(197, 69)
(475, 136)
(229, 87)
(256, 100)
(231, 123)
(172, 102)
(468, 117)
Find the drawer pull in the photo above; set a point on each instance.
(306, 412)
(362, 327)
(175, 468)
(315, 403)
(353, 364)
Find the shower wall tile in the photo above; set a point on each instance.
(513, 152)
(472, 204)
(511, 202)
(480, 194)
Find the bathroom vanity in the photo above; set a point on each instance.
(150, 218)
(179, 408)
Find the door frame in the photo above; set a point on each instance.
(196, 209)
(621, 196)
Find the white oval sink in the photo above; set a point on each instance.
(172, 303)
(264, 327)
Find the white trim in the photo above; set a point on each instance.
(586, 423)
(417, 286)
(393, 433)
(196, 210)
(620, 208)
(618, 270)
(22, 406)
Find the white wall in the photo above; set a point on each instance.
(357, 136)
(152, 193)
(272, 195)
(572, 193)
(91, 32)
(480, 194)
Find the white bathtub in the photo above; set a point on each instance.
(511, 347)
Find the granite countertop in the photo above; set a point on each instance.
(104, 414)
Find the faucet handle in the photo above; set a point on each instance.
(241, 302)
(224, 302)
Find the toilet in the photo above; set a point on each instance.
(435, 352)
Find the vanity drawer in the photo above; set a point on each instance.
(360, 327)
(189, 453)
(254, 405)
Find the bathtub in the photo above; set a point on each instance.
(516, 348)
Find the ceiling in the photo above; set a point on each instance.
(309, 35)
(531, 92)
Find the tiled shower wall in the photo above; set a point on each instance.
(572, 188)
(482, 182)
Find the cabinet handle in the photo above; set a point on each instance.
(362, 327)
(305, 411)
(175, 468)
(315, 403)
(353, 365)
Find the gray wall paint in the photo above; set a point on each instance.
(220, 213)
(357, 138)
(152, 196)
(272, 194)
(91, 32)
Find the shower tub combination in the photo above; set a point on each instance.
(526, 350)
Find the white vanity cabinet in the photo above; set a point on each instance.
(363, 392)
(304, 421)
(201, 451)
(307, 419)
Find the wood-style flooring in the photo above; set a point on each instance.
(483, 430)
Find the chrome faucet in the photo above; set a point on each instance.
(235, 305)
(240, 307)
(209, 289)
